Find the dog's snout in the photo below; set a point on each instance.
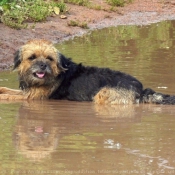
(42, 66)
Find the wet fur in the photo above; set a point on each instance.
(64, 79)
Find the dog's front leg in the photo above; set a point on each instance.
(11, 94)
(4, 90)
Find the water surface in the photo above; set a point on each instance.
(63, 137)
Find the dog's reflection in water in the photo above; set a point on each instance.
(41, 125)
(35, 134)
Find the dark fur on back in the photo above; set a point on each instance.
(81, 83)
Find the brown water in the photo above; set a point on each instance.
(62, 137)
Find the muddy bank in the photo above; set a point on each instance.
(57, 29)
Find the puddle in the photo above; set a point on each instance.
(65, 137)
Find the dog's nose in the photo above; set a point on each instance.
(43, 66)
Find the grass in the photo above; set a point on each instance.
(119, 3)
(4, 2)
(17, 14)
(78, 2)
(78, 24)
(95, 6)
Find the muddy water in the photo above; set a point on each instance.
(61, 137)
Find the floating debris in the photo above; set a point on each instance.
(162, 87)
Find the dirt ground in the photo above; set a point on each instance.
(139, 12)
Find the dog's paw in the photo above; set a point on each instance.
(12, 97)
(3, 96)
(3, 90)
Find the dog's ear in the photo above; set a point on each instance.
(63, 62)
(17, 59)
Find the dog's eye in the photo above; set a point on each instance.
(32, 57)
(49, 58)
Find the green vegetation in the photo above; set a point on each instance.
(120, 3)
(78, 2)
(4, 2)
(19, 13)
(16, 14)
(95, 7)
(78, 24)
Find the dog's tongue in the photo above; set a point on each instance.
(40, 74)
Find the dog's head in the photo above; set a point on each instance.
(38, 63)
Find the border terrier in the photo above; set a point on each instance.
(44, 73)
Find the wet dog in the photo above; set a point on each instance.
(44, 73)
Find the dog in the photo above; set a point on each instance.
(45, 73)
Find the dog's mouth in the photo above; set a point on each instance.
(39, 74)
